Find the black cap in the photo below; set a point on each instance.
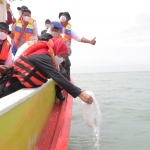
(4, 26)
(45, 37)
(22, 7)
(65, 13)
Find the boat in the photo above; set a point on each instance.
(30, 119)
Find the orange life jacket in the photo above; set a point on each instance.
(18, 32)
(67, 33)
(4, 52)
(26, 72)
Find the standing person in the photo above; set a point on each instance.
(37, 64)
(24, 28)
(69, 33)
(5, 52)
(47, 25)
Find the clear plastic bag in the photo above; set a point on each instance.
(91, 112)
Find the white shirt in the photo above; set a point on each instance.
(21, 50)
(74, 35)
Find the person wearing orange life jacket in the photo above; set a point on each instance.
(23, 29)
(21, 9)
(5, 52)
(36, 65)
(69, 33)
(33, 40)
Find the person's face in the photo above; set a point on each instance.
(26, 14)
(64, 23)
(3, 34)
(55, 30)
(26, 17)
(47, 24)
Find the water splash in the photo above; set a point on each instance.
(96, 136)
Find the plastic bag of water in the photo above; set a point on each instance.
(93, 117)
(91, 112)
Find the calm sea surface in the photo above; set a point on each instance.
(124, 100)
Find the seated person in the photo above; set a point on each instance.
(5, 52)
(37, 64)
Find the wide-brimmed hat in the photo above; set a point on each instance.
(22, 7)
(4, 26)
(56, 25)
(65, 13)
(45, 36)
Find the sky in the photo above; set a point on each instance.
(121, 28)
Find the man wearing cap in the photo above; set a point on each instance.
(47, 25)
(24, 28)
(55, 30)
(36, 65)
(68, 32)
(5, 53)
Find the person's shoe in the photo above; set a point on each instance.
(60, 96)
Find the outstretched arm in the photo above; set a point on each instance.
(45, 65)
(84, 40)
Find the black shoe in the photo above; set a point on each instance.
(60, 96)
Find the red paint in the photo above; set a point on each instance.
(55, 135)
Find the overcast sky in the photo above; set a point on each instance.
(121, 27)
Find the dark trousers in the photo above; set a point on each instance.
(66, 64)
(13, 86)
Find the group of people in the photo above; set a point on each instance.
(36, 58)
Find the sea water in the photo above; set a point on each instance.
(124, 100)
